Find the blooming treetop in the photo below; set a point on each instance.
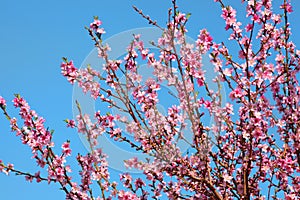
(255, 153)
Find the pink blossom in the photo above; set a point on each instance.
(235, 94)
(228, 71)
(204, 41)
(70, 123)
(2, 102)
(126, 178)
(68, 70)
(180, 17)
(95, 23)
(287, 6)
(122, 195)
(66, 148)
(249, 27)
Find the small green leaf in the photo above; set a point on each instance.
(65, 59)
(17, 95)
(188, 15)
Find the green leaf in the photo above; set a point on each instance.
(65, 59)
(17, 95)
(188, 15)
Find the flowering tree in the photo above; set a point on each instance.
(251, 151)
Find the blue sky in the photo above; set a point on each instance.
(35, 35)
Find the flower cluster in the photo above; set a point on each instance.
(95, 26)
(68, 70)
(2, 102)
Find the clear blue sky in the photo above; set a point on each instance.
(35, 35)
